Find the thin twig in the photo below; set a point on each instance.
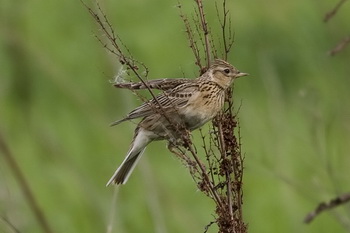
(208, 155)
(340, 46)
(205, 176)
(208, 226)
(191, 39)
(225, 22)
(332, 13)
(114, 39)
(205, 30)
(27, 192)
(323, 206)
(9, 224)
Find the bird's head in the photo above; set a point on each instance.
(223, 73)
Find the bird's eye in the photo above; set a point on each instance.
(227, 71)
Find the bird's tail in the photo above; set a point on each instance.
(121, 175)
(138, 146)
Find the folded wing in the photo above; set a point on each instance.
(167, 101)
(160, 84)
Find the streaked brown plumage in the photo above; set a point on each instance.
(188, 103)
(160, 84)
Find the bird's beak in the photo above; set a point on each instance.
(240, 74)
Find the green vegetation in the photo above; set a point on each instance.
(56, 103)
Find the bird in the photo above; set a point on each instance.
(184, 104)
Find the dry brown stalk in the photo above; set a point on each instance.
(24, 185)
(340, 46)
(192, 41)
(334, 11)
(205, 30)
(9, 224)
(343, 43)
(323, 206)
(225, 23)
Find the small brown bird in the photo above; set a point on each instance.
(188, 103)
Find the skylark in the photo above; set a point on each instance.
(184, 104)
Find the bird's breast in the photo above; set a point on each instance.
(201, 108)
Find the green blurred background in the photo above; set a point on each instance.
(56, 104)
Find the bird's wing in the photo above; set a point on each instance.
(172, 99)
(160, 84)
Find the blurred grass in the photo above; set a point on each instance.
(56, 104)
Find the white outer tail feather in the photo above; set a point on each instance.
(130, 170)
(141, 140)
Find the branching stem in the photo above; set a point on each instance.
(205, 30)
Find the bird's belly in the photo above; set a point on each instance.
(195, 122)
(196, 118)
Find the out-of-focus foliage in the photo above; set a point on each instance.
(56, 103)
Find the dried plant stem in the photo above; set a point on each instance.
(340, 46)
(227, 173)
(9, 224)
(222, 179)
(124, 59)
(27, 192)
(239, 175)
(223, 26)
(334, 11)
(206, 178)
(191, 40)
(323, 206)
(227, 35)
(344, 43)
(205, 30)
